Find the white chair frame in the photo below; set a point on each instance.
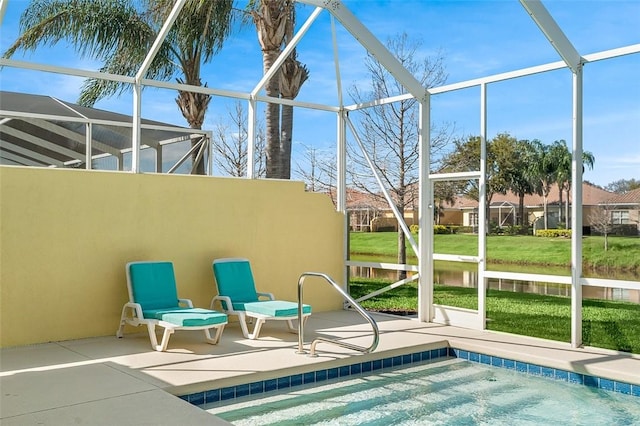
(132, 315)
(245, 317)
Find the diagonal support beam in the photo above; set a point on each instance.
(76, 137)
(43, 143)
(401, 223)
(136, 139)
(3, 8)
(286, 52)
(372, 44)
(28, 154)
(554, 34)
(19, 160)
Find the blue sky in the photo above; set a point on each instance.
(478, 39)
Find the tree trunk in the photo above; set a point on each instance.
(285, 141)
(521, 210)
(293, 76)
(402, 251)
(544, 210)
(193, 107)
(487, 212)
(560, 206)
(272, 118)
(566, 209)
(270, 21)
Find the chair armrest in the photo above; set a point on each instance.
(187, 302)
(267, 295)
(225, 299)
(136, 308)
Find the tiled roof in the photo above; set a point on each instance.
(357, 199)
(591, 196)
(631, 197)
(361, 200)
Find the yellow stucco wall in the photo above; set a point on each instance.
(65, 236)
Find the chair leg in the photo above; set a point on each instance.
(213, 340)
(256, 329)
(294, 329)
(152, 336)
(123, 321)
(165, 340)
(242, 319)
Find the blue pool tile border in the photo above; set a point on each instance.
(359, 368)
(548, 372)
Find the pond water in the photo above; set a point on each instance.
(466, 275)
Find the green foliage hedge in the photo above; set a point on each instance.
(554, 233)
(466, 229)
(438, 229)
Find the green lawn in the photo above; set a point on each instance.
(623, 254)
(606, 324)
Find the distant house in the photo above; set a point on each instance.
(625, 211)
(504, 208)
(368, 212)
(363, 210)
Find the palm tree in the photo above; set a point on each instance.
(541, 171)
(119, 34)
(275, 21)
(563, 173)
(520, 183)
(562, 158)
(293, 76)
(270, 18)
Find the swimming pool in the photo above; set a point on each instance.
(443, 391)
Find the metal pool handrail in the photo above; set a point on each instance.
(352, 302)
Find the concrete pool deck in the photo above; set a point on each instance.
(106, 381)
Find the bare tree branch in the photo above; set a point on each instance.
(230, 139)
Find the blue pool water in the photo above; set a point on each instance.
(445, 392)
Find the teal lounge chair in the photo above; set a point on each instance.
(153, 300)
(238, 296)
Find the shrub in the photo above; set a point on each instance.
(554, 233)
(625, 230)
(385, 229)
(494, 229)
(437, 229)
(440, 229)
(513, 230)
(453, 229)
(466, 230)
(525, 230)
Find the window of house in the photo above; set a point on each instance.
(620, 217)
(473, 219)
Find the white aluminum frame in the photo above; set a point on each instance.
(571, 59)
